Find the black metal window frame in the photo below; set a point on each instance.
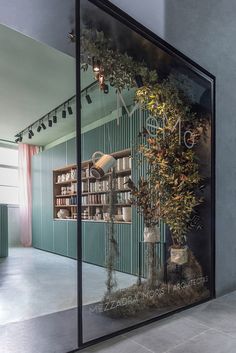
(121, 16)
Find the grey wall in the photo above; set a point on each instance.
(206, 32)
(47, 21)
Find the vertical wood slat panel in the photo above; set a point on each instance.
(118, 137)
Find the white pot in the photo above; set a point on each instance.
(179, 256)
(151, 234)
(126, 212)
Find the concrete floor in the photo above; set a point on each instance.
(35, 283)
(207, 328)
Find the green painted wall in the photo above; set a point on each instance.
(55, 236)
(60, 236)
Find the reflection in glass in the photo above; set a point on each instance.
(146, 218)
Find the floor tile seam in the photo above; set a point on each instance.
(224, 333)
(211, 327)
(137, 343)
(200, 322)
(187, 340)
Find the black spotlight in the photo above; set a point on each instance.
(54, 119)
(106, 89)
(96, 65)
(39, 128)
(88, 99)
(31, 132)
(70, 111)
(19, 138)
(49, 122)
(29, 135)
(138, 80)
(43, 125)
(63, 113)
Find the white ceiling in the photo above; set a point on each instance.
(34, 79)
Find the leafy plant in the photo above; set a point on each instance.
(119, 68)
(174, 170)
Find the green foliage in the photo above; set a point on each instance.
(174, 170)
(119, 68)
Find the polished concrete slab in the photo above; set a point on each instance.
(35, 283)
(206, 328)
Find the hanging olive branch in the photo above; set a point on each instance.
(169, 190)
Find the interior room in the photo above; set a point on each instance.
(38, 266)
(106, 184)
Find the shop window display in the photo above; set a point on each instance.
(147, 137)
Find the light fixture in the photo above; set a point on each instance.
(19, 138)
(49, 122)
(88, 98)
(31, 132)
(29, 135)
(63, 113)
(39, 128)
(96, 65)
(102, 164)
(69, 109)
(54, 118)
(105, 88)
(138, 80)
(43, 125)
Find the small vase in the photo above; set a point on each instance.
(179, 256)
(151, 234)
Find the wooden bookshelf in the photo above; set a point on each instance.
(95, 192)
(65, 191)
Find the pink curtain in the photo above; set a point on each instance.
(25, 192)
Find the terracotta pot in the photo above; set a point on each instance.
(151, 234)
(179, 256)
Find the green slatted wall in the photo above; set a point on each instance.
(55, 236)
(60, 236)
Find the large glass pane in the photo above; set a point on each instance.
(146, 173)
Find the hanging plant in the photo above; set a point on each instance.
(119, 68)
(174, 173)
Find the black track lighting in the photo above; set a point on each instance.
(138, 80)
(63, 113)
(70, 111)
(19, 138)
(96, 65)
(43, 125)
(88, 98)
(105, 89)
(31, 132)
(48, 120)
